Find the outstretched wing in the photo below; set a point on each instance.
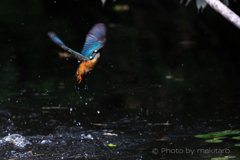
(95, 39)
(58, 41)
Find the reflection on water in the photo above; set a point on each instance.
(127, 119)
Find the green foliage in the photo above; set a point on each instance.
(237, 138)
(220, 158)
(201, 4)
(103, 2)
(203, 136)
(217, 136)
(213, 140)
(111, 145)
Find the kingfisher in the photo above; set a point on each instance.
(90, 54)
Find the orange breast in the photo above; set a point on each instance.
(86, 66)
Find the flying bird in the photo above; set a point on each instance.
(89, 55)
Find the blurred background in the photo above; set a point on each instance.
(167, 72)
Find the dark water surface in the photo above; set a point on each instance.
(165, 74)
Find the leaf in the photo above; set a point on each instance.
(201, 4)
(219, 158)
(103, 2)
(186, 2)
(219, 135)
(203, 136)
(213, 141)
(225, 133)
(111, 145)
(231, 132)
(237, 138)
(237, 145)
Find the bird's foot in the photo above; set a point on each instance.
(79, 79)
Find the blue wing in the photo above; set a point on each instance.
(58, 41)
(95, 39)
